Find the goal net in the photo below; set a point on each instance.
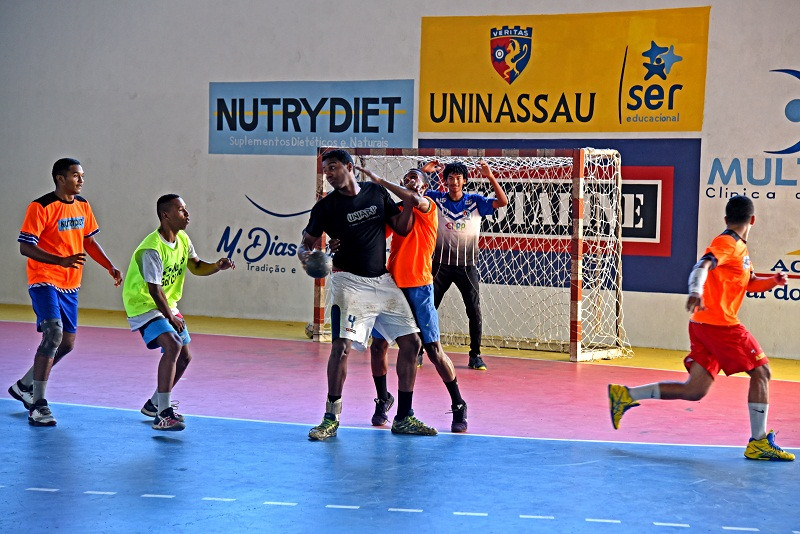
(550, 261)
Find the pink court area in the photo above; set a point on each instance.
(285, 381)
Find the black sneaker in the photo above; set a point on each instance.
(166, 420)
(381, 407)
(459, 412)
(149, 409)
(476, 362)
(419, 359)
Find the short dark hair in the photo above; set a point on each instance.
(455, 167)
(163, 200)
(422, 175)
(340, 155)
(739, 209)
(61, 167)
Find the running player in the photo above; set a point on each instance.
(456, 257)
(58, 231)
(151, 293)
(717, 287)
(364, 294)
(410, 259)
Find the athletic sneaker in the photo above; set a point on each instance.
(381, 407)
(419, 359)
(412, 425)
(166, 420)
(621, 401)
(150, 410)
(459, 412)
(476, 362)
(22, 393)
(40, 414)
(766, 449)
(326, 429)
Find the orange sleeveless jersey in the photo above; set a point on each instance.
(726, 284)
(411, 257)
(59, 228)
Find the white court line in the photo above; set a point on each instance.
(537, 517)
(279, 503)
(90, 492)
(157, 496)
(741, 529)
(682, 525)
(592, 520)
(48, 490)
(221, 499)
(473, 514)
(409, 510)
(444, 435)
(342, 506)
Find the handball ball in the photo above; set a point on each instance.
(318, 264)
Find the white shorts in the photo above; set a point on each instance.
(361, 304)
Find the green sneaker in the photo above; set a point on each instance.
(412, 425)
(326, 429)
(620, 401)
(766, 449)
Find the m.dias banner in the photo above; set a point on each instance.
(635, 71)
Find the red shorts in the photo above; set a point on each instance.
(729, 348)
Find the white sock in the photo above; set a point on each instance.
(758, 419)
(163, 401)
(154, 398)
(39, 387)
(648, 391)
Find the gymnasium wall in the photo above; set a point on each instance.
(127, 88)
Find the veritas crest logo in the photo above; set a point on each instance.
(511, 50)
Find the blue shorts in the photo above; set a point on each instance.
(156, 327)
(50, 303)
(421, 301)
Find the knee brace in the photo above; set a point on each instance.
(52, 331)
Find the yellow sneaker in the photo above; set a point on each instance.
(766, 449)
(326, 429)
(620, 401)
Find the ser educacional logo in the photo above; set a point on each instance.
(511, 51)
(653, 100)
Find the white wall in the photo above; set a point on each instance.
(123, 86)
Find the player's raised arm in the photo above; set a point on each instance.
(500, 196)
(759, 284)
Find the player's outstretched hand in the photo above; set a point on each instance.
(334, 245)
(372, 176)
(780, 278)
(432, 166)
(694, 302)
(486, 171)
(116, 275)
(224, 264)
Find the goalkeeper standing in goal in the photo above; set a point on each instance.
(456, 256)
(409, 263)
(717, 287)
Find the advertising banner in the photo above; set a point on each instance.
(635, 71)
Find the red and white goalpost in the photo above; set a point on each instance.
(550, 261)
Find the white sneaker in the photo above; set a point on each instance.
(41, 415)
(22, 393)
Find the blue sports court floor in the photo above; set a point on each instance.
(246, 465)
